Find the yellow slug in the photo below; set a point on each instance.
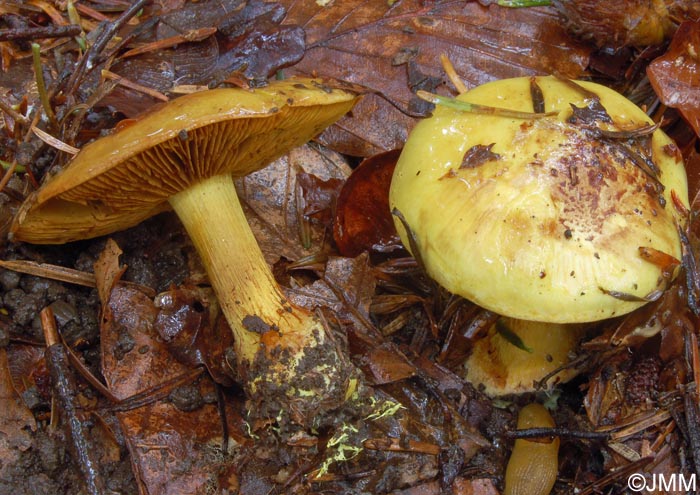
(533, 464)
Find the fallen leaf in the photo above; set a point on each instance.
(16, 420)
(270, 201)
(107, 269)
(174, 448)
(363, 220)
(394, 48)
(385, 364)
(675, 76)
(247, 40)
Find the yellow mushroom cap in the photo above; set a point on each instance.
(121, 179)
(541, 219)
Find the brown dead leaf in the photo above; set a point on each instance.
(346, 289)
(174, 449)
(675, 76)
(196, 333)
(270, 199)
(385, 364)
(476, 486)
(394, 48)
(107, 269)
(245, 37)
(363, 219)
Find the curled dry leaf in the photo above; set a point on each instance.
(15, 418)
(620, 24)
(272, 203)
(363, 219)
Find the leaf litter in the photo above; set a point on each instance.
(156, 387)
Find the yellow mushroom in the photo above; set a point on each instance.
(500, 366)
(542, 199)
(184, 156)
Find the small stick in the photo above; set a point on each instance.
(8, 174)
(690, 401)
(55, 142)
(7, 108)
(557, 432)
(87, 63)
(390, 444)
(23, 34)
(122, 81)
(65, 388)
(90, 12)
(63, 274)
(189, 36)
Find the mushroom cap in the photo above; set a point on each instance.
(541, 219)
(121, 179)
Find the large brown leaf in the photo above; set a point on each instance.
(394, 48)
(675, 76)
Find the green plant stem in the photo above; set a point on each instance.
(464, 106)
(41, 84)
(7, 165)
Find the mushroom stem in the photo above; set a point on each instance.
(282, 349)
(248, 294)
(516, 355)
(214, 219)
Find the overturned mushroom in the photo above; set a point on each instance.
(543, 199)
(185, 155)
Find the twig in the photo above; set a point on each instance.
(8, 175)
(22, 34)
(619, 474)
(55, 142)
(87, 63)
(122, 81)
(65, 387)
(557, 432)
(189, 36)
(691, 407)
(452, 74)
(63, 274)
